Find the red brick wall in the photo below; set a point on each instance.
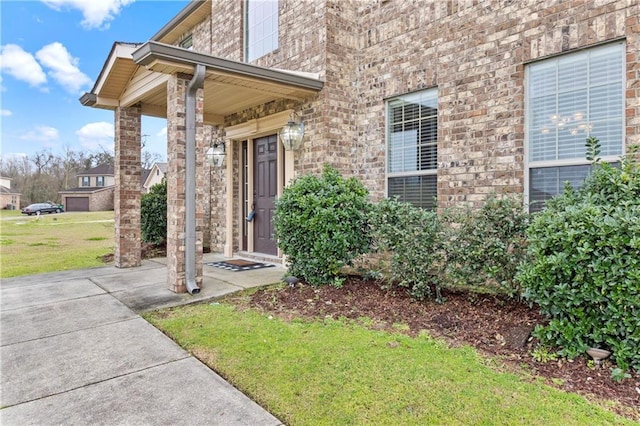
(127, 190)
(176, 181)
(475, 53)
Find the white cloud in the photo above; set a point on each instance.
(95, 13)
(63, 67)
(98, 135)
(45, 134)
(21, 65)
(13, 156)
(162, 133)
(5, 112)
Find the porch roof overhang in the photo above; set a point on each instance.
(138, 74)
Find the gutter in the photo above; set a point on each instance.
(151, 51)
(190, 8)
(197, 82)
(89, 99)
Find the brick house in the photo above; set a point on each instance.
(437, 102)
(9, 199)
(94, 191)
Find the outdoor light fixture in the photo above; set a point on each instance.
(291, 134)
(216, 154)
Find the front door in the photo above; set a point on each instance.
(265, 187)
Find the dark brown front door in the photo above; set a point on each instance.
(265, 187)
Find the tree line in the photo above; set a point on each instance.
(39, 177)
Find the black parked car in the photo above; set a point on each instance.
(42, 208)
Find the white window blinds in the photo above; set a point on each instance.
(412, 140)
(570, 98)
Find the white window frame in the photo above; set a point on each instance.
(414, 173)
(529, 165)
(86, 179)
(249, 57)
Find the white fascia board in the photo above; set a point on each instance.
(119, 51)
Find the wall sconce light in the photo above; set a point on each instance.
(292, 133)
(217, 153)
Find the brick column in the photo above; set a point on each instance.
(127, 190)
(176, 180)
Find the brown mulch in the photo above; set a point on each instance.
(495, 325)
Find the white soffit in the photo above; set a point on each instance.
(138, 74)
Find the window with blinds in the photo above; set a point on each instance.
(570, 98)
(261, 28)
(412, 148)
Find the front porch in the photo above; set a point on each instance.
(203, 98)
(143, 289)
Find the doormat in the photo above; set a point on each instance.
(239, 265)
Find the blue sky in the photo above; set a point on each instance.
(51, 52)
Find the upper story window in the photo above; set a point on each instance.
(412, 148)
(86, 181)
(187, 43)
(261, 28)
(100, 181)
(570, 98)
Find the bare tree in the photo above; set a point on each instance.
(41, 160)
(102, 157)
(42, 176)
(148, 158)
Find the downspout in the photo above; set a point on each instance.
(197, 82)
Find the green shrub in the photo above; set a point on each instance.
(321, 225)
(477, 248)
(487, 245)
(153, 214)
(414, 238)
(584, 269)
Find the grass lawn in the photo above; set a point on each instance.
(337, 372)
(53, 242)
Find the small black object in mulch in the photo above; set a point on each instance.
(239, 265)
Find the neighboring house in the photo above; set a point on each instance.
(9, 199)
(439, 103)
(144, 175)
(154, 176)
(94, 192)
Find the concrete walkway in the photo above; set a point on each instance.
(74, 351)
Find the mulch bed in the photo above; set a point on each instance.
(496, 326)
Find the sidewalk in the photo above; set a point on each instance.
(73, 350)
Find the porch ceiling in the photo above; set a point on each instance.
(138, 74)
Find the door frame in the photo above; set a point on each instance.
(236, 135)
